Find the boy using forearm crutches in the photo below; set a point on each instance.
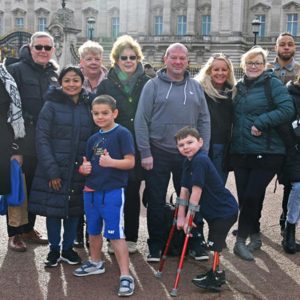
(202, 185)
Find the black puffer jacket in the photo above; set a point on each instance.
(33, 81)
(63, 128)
(292, 164)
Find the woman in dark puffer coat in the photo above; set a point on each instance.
(291, 174)
(63, 127)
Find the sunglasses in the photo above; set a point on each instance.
(220, 55)
(131, 57)
(40, 47)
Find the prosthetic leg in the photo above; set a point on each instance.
(214, 278)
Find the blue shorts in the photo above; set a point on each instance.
(105, 207)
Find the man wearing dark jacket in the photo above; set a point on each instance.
(285, 68)
(34, 73)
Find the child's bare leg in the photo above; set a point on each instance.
(122, 256)
(95, 247)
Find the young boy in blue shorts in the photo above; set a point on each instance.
(202, 185)
(109, 156)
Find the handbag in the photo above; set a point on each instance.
(3, 205)
(17, 195)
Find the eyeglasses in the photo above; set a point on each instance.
(255, 64)
(131, 57)
(40, 47)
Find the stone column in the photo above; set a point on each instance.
(167, 14)
(191, 15)
(63, 30)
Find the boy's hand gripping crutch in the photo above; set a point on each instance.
(192, 210)
(163, 258)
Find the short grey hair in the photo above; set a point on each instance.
(40, 34)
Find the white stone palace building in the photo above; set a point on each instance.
(204, 26)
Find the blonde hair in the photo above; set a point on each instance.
(253, 52)
(125, 42)
(204, 76)
(90, 47)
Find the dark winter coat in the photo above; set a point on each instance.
(251, 107)
(221, 116)
(33, 81)
(292, 165)
(127, 106)
(63, 128)
(8, 145)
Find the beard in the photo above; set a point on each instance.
(286, 56)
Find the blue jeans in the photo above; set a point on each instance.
(217, 159)
(293, 206)
(54, 228)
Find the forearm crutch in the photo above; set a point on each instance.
(163, 258)
(192, 210)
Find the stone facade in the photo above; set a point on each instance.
(204, 26)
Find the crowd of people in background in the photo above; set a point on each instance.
(87, 136)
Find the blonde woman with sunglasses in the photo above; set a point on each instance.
(125, 82)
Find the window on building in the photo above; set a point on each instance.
(158, 25)
(181, 25)
(20, 23)
(115, 27)
(205, 25)
(262, 27)
(42, 24)
(292, 24)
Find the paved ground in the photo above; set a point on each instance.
(273, 275)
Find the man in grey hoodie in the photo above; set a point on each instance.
(168, 102)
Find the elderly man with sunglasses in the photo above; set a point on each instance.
(34, 73)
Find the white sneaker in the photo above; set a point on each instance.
(131, 247)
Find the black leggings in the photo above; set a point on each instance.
(251, 187)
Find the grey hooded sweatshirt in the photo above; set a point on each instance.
(165, 106)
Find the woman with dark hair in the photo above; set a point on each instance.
(125, 82)
(63, 127)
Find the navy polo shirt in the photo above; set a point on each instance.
(216, 201)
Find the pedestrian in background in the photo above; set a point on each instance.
(257, 150)
(217, 79)
(34, 73)
(124, 82)
(64, 125)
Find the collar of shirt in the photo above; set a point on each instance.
(288, 67)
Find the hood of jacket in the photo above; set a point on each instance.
(55, 94)
(25, 55)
